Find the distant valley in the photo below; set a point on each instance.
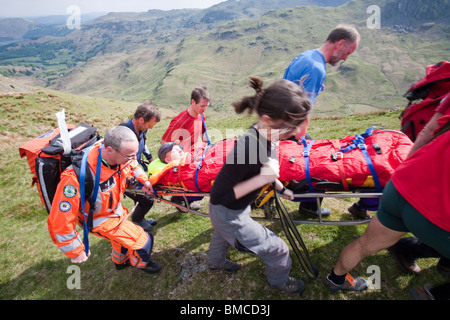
(162, 55)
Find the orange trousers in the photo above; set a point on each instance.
(129, 241)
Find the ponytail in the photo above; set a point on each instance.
(281, 100)
(250, 103)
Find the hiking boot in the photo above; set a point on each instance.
(314, 213)
(121, 266)
(146, 224)
(152, 267)
(229, 266)
(293, 285)
(179, 201)
(359, 212)
(404, 264)
(350, 284)
(422, 293)
(195, 206)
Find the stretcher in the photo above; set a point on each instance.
(274, 210)
(165, 193)
(356, 166)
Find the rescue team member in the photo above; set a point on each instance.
(414, 200)
(283, 110)
(131, 245)
(145, 117)
(309, 70)
(187, 127)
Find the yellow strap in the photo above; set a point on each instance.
(266, 198)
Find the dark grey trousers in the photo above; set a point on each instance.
(237, 229)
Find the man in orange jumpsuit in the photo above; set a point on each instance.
(131, 245)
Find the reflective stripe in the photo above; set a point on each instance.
(137, 262)
(139, 171)
(43, 186)
(72, 246)
(119, 257)
(99, 221)
(66, 237)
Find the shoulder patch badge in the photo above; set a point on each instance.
(69, 191)
(64, 206)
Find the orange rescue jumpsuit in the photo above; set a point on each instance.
(129, 241)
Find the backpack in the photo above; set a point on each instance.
(47, 160)
(430, 90)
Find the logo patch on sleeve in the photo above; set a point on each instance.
(64, 206)
(70, 191)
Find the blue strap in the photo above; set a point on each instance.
(94, 194)
(359, 142)
(358, 137)
(206, 130)
(362, 147)
(306, 151)
(199, 166)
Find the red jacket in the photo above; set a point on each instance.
(424, 179)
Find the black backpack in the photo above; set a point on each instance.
(48, 162)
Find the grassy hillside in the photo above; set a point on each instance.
(133, 57)
(385, 64)
(34, 269)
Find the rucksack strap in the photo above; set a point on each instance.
(306, 150)
(206, 130)
(87, 217)
(200, 165)
(359, 142)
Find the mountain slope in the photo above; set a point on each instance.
(162, 55)
(386, 62)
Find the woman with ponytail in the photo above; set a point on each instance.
(283, 110)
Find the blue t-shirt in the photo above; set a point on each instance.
(309, 67)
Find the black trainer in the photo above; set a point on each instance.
(152, 267)
(350, 284)
(325, 212)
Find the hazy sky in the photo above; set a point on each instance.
(33, 8)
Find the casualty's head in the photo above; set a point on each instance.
(170, 151)
(146, 116)
(120, 145)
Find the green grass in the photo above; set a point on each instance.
(34, 269)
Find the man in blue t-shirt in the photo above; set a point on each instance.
(309, 70)
(309, 67)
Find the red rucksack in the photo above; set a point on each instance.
(46, 158)
(429, 90)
